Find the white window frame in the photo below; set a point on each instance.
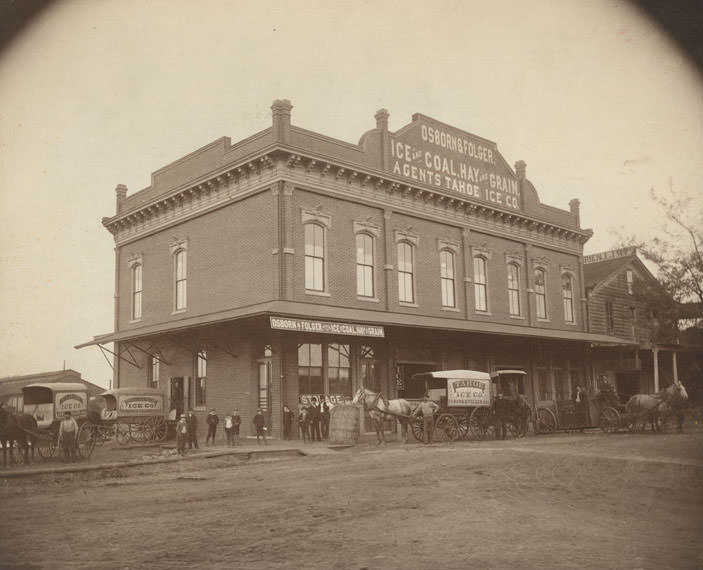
(136, 284)
(324, 222)
(179, 249)
(480, 279)
(541, 294)
(365, 271)
(568, 300)
(406, 279)
(447, 277)
(200, 379)
(514, 304)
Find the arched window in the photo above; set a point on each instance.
(447, 278)
(480, 284)
(567, 295)
(180, 288)
(406, 268)
(136, 278)
(514, 289)
(364, 265)
(541, 293)
(314, 257)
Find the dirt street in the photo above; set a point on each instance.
(587, 501)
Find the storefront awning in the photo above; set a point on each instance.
(359, 318)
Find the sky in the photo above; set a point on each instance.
(598, 101)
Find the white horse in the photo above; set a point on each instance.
(649, 407)
(379, 408)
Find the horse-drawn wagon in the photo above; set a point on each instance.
(134, 415)
(472, 405)
(476, 405)
(47, 404)
(612, 412)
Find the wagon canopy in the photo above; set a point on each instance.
(47, 402)
(462, 388)
(131, 402)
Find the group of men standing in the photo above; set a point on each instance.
(314, 420)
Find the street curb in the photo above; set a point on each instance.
(249, 454)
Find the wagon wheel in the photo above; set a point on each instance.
(158, 428)
(480, 426)
(418, 428)
(463, 423)
(45, 445)
(86, 439)
(122, 433)
(609, 420)
(141, 432)
(546, 421)
(447, 427)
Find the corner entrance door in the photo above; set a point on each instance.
(176, 397)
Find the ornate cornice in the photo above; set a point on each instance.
(260, 171)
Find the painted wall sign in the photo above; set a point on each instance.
(437, 155)
(331, 399)
(141, 403)
(468, 392)
(324, 327)
(74, 402)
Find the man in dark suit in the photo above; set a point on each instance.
(314, 412)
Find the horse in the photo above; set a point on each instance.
(512, 408)
(379, 407)
(16, 428)
(650, 406)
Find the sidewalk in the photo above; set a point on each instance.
(112, 456)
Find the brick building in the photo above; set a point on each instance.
(291, 264)
(627, 302)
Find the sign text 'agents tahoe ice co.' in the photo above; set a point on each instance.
(324, 327)
(454, 161)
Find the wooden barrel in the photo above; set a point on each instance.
(344, 424)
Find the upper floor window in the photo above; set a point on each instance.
(609, 317)
(314, 257)
(136, 278)
(541, 293)
(447, 277)
(406, 268)
(480, 284)
(630, 281)
(180, 265)
(567, 295)
(200, 378)
(513, 289)
(154, 370)
(364, 265)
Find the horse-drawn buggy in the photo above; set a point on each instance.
(471, 405)
(612, 412)
(132, 415)
(47, 404)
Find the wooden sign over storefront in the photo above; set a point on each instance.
(326, 327)
(431, 153)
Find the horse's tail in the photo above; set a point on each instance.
(633, 404)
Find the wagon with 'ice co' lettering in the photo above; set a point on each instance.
(47, 403)
(134, 415)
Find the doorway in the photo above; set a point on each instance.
(176, 398)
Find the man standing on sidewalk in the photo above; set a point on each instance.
(68, 433)
(427, 408)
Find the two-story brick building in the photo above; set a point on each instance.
(292, 264)
(626, 301)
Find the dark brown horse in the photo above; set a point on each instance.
(512, 408)
(16, 429)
